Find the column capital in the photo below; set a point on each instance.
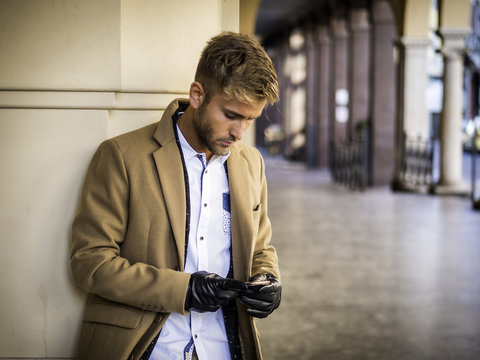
(339, 28)
(382, 12)
(359, 20)
(453, 40)
(413, 42)
(323, 35)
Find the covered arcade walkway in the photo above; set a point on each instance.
(373, 275)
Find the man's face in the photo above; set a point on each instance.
(221, 122)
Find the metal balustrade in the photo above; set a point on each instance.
(416, 170)
(417, 162)
(350, 162)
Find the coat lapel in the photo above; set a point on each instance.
(241, 213)
(170, 172)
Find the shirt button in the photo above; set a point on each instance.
(201, 237)
(206, 171)
(195, 336)
(205, 205)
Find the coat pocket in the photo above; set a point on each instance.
(112, 313)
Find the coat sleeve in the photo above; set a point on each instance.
(265, 258)
(98, 232)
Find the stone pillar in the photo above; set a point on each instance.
(311, 97)
(324, 92)
(383, 94)
(412, 115)
(360, 68)
(296, 115)
(74, 73)
(340, 95)
(272, 114)
(451, 181)
(283, 73)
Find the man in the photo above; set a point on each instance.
(171, 237)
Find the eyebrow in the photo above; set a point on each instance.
(235, 114)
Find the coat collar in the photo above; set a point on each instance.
(164, 133)
(170, 172)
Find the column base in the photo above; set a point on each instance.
(401, 185)
(458, 188)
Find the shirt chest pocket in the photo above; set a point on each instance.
(226, 214)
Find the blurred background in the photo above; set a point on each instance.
(371, 158)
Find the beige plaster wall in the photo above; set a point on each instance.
(411, 15)
(248, 16)
(416, 18)
(455, 13)
(151, 61)
(58, 44)
(73, 73)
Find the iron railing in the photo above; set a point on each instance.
(417, 164)
(350, 165)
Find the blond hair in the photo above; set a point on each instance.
(238, 67)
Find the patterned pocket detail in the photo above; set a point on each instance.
(226, 214)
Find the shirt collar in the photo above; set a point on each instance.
(189, 152)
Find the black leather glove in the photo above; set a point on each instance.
(208, 292)
(262, 299)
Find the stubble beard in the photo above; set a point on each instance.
(205, 132)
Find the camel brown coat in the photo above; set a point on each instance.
(128, 239)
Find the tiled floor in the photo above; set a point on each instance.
(372, 275)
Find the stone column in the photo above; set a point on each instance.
(285, 86)
(451, 181)
(383, 93)
(296, 115)
(412, 115)
(340, 95)
(272, 114)
(324, 92)
(311, 97)
(360, 68)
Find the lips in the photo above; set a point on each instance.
(226, 143)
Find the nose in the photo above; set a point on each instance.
(238, 129)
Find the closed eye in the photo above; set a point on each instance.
(231, 115)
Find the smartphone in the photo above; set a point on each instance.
(257, 283)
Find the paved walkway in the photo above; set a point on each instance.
(372, 275)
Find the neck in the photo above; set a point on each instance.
(185, 123)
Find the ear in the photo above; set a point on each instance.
(196, 94)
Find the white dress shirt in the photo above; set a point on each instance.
(208, 250)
